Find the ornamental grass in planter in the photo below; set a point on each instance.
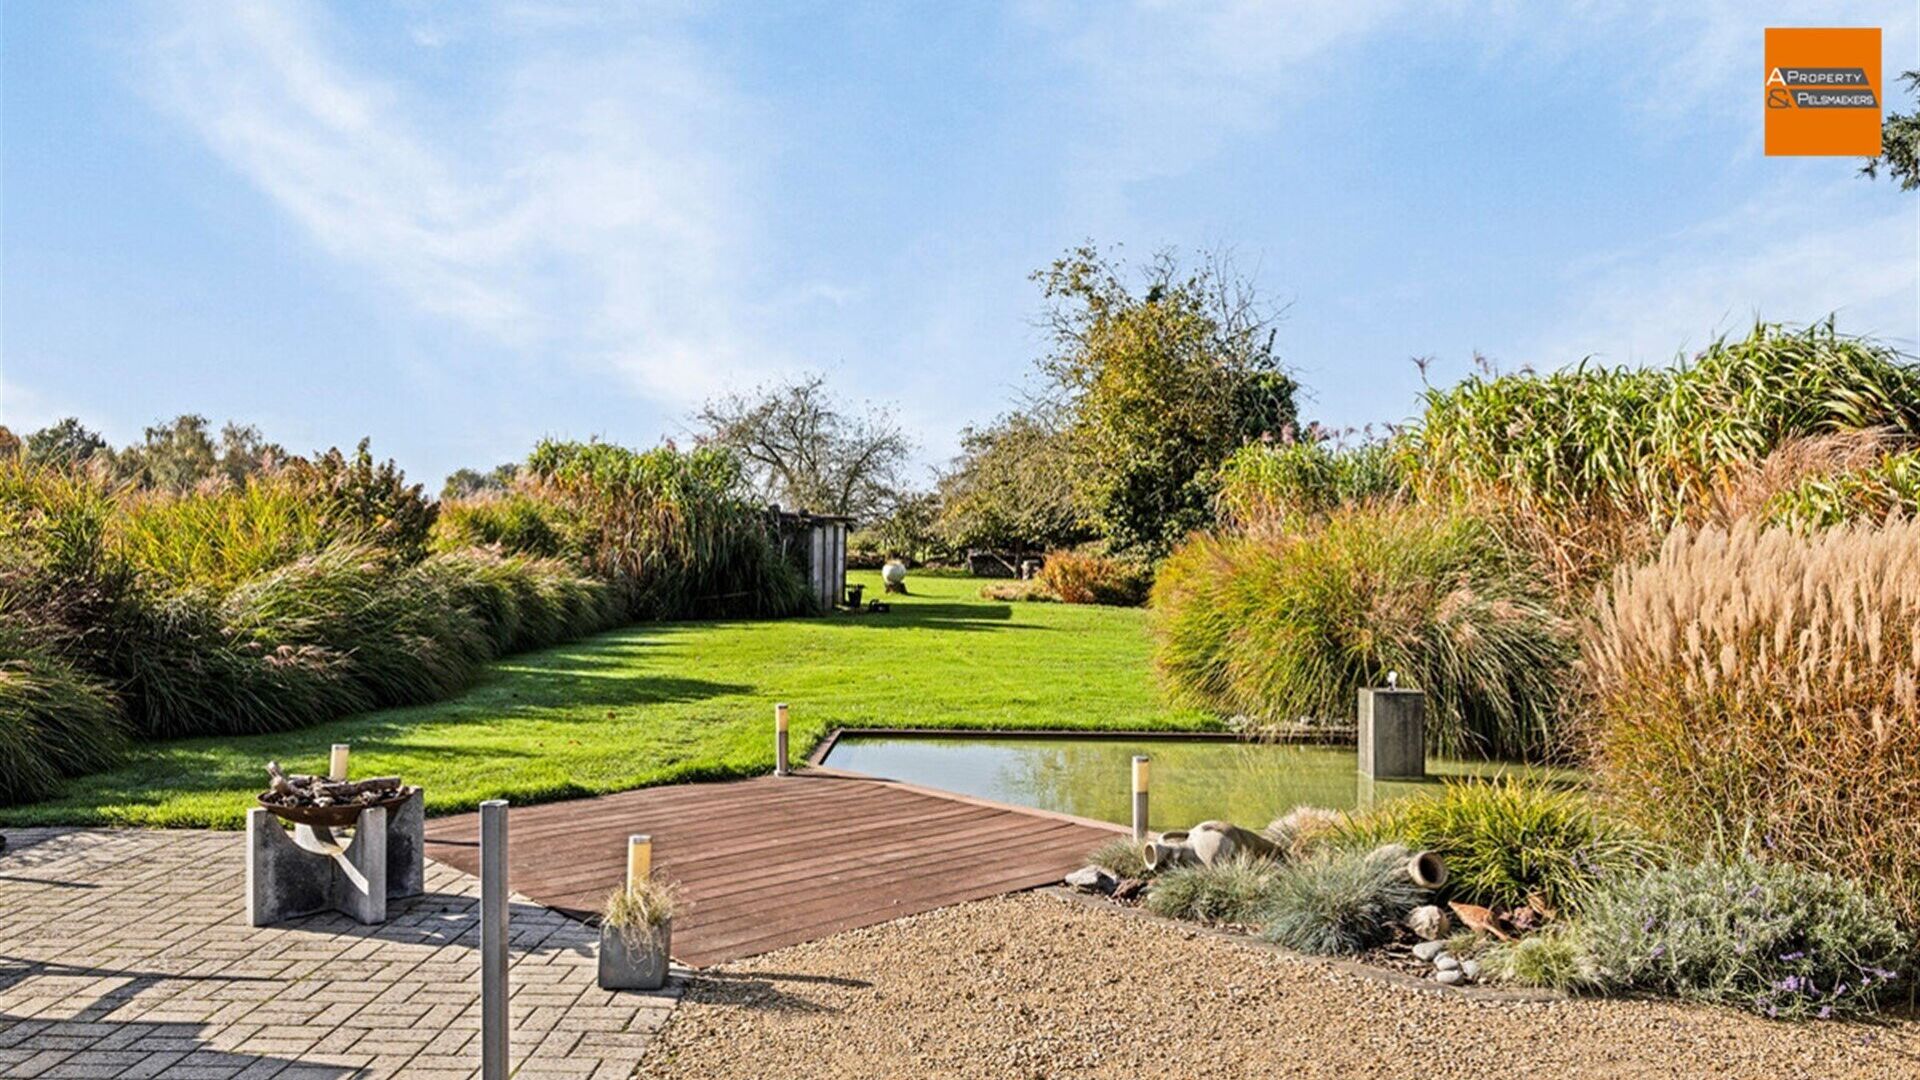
(636, 936)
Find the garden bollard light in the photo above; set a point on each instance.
(780, 739)
(493, 939)
(1139, 798)
(337, 765)
(639, 860)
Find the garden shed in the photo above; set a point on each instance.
(817, 543)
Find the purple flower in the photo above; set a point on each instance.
(1826, 1012)
(1658, 952)
(1788, 958)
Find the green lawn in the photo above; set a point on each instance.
(661, 703)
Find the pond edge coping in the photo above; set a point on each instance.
(1336, 736)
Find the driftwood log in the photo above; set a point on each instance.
(301, 790)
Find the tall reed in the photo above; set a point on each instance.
(1761, 687)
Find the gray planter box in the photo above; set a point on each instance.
(641, 967)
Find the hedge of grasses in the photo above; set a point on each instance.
(670, 530)
(1762, 687)
(1653, 443)
(1289, 625)
(308, 592)
(1267, 482)
(55, 722)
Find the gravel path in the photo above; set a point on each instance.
(1037, 986)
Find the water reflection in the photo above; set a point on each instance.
(1193, 780)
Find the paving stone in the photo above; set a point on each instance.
(139, 964)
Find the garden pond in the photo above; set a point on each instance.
(1192, 780)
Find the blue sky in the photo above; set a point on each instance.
(458, 227)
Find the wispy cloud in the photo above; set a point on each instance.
(1774, 259)
(581, 205)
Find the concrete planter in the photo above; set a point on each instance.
(634, 959)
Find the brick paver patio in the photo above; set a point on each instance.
(126, 953)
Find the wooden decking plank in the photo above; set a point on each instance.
(770, 862)
(884, 880)
(609, 854)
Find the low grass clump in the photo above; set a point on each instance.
(640, 907)
(1285, 625)
(1085, 577)
(1773, 938)
(1510, 839)
(1121, 858)
(54, 722)
(1238, 890)
(1761, 688)
(1338, 903)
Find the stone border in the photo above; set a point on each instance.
(1369, 972)
(1332, 736)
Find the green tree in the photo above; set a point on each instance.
(1159, 386)
(183, 453)
(1011, 488)
(1900, 143)
(464, 482)
(67, 442)
(244, 451)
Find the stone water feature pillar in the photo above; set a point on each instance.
(1393, 734)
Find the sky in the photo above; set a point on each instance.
(458, 228)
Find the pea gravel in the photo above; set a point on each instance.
(1036, 986)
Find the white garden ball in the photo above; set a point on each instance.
(894, 573)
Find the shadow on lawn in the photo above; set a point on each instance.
(935, 615)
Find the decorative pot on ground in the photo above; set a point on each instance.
(635, 957)
(636, 928)
(894, 576)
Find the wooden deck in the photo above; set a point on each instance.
(776, 861)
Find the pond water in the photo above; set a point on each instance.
(1192, 780)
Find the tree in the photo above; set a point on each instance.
(466, 482)
(908, 530)
(1900, 143)
(179, 455)
(1011, 488)
(1159, 386)
(9, 443)
(244, 451)
(806, 451)
(68, 442)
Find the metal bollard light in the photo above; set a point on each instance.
(780, 740)
(493, 939)
(1139, 798)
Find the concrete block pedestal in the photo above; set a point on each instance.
(1393, 734)
(309, 870)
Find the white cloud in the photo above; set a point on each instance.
(583, 207)
(1775, 258)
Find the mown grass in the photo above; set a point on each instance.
(660, 703)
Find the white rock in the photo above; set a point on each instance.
(1471, 969)
(1446, 962)
(1427, 950)
(1448, 978)
(1428, 922)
